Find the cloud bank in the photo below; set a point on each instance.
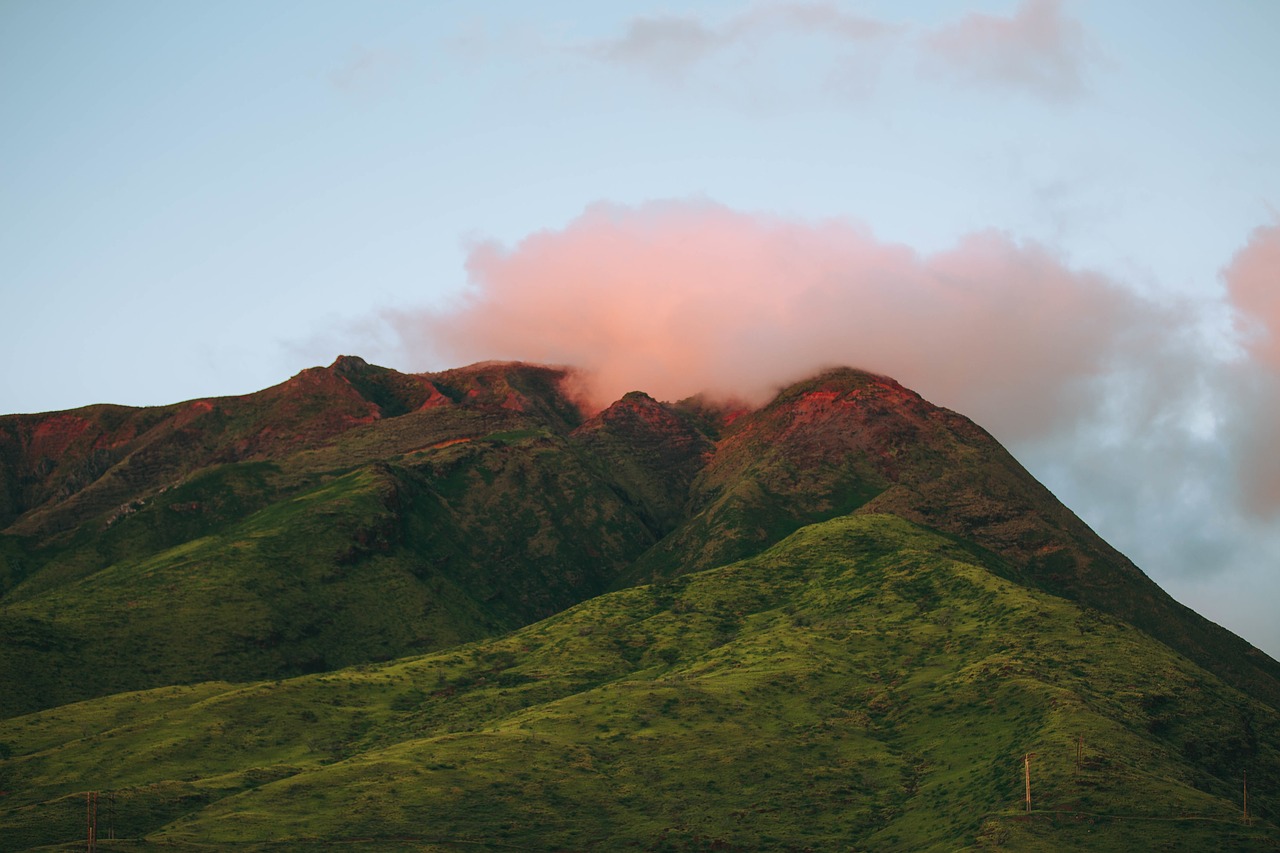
(677, 298)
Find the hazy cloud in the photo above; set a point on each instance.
(670, 45)
(663, 45)
(814, 19)
(1038, 50)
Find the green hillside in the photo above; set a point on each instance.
(865, 684)
(447, 545)
(452, 611)
(398, 535)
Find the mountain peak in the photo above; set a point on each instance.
(391, 392)
(653, 451)
(513, 386)
(638, 397)
(844, 382)
(347, 364)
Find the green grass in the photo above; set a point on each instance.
(865, 684)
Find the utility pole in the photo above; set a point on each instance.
(1026, 766)
(91, 820)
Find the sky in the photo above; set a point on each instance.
(1058, 217)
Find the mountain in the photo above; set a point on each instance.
(419, 611)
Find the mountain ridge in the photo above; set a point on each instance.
(843, 441)
(360, 527)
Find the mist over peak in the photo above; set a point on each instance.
(1149, 414)
(683, 297)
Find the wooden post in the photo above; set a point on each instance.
(1079, 751)
(1246, 796)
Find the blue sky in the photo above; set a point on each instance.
(203, 199)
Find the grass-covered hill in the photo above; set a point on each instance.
(273, 538)
(452, 611)
(866, 684)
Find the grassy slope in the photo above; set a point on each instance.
(864, 684)
(250, 571)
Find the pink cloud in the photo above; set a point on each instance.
(1253, 282)
(677, 298)
(1253, 285)
(1038, 49)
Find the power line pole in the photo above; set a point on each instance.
(1026, 766)
(91, 820)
